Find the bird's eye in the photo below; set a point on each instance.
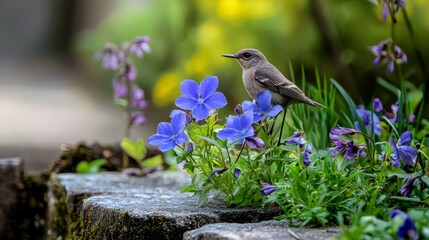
(247, 55)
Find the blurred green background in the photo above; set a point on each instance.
(189, 36)
(53, 91)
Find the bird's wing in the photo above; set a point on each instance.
(272, 79)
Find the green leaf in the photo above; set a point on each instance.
(153, 161)
(82, 167)
(135, 150)
(203, 197)
(92, 167)
(189, 188)
(425, 179)
(349, 100)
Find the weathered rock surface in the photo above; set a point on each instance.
(114, 206)
(273, 230)
(11, 183)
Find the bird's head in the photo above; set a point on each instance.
(248, 57)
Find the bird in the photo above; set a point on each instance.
(259, 75)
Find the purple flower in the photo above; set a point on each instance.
(387, 4)
(408, 186)
(343, 131)
(130, 72)
(170, 134)
(189, 148)
(407, 230)
(378, 105)
(237, 128)
(254, 142)
(402, 149)
(119, 88)
(345, 148)
(238, 109)
(202, 99)
(383, 51)
(217, 171)
(140, 45)
(138, 118)
(394, 118)
(297, 138)
(267, 189)
(261, 107)
(188, 115)
(237, 172)
(111, 56)
(308, 150)
(369, 119)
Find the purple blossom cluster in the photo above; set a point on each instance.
(385, 51)
(346, 148)
(124, 85)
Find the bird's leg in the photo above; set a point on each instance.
(281, 128)
(270, 132)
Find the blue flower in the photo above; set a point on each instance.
(408, 186)
(407, 230)
(267, 189)
(237, 172)
(297, 138)
(237, 128)
(402, 149)
(202, 99)
(169, 135)
(261, 107)
(370, 120)
(308, 150)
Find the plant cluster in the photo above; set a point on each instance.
(377, 160)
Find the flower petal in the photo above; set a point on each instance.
(200, 111)
(164, 128)
(234, 122)
(246, 119)
(178, 123)
(208, 86)
(215, 101)
(226, 133)
(189, 88)
(181, 138)
(264, 100)
(408, 154)
(158, 139)
(168, 145)
(406, 138)
(186, 103)
(275, 110)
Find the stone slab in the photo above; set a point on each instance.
(272, 230)
(115, 206)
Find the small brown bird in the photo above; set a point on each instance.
(259, 74)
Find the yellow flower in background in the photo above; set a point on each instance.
(166, 89)
(236, 10)
(198, 65)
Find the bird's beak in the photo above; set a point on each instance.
(229, 55)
